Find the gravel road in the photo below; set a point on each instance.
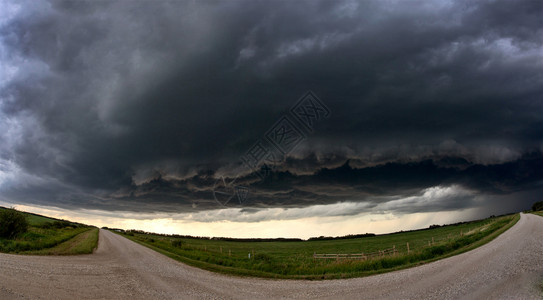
(510, 267)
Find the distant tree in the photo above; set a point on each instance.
(60, 224)
(537, 206)
(12, 223)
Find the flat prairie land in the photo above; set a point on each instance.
(295, 259)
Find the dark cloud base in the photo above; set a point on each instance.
(344, 183)
(285, 189)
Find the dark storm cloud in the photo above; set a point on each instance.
(371, 185)
(141, 106)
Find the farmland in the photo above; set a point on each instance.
(295, 259)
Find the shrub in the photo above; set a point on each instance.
(12, 223)
(263, 257)
(61, 224)
(47, 225)
(537, 206)
(177, 243)
(56, 225)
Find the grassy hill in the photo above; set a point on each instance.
(50, 236)
(295, 259)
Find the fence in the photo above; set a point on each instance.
(362, 256)
(393, 250)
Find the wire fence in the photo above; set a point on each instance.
(394, 251)
(359, 256)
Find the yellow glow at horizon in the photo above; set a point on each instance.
(299, 228)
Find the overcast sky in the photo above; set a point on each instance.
(155, 108)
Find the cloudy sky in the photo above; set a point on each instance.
(271, 118)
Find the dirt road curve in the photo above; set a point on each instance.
(510, 267)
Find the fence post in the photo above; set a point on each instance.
(407, 247)
(393, 249)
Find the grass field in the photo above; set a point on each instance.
(49, 236)
(37, 220)
(539, 213)
(294, 259)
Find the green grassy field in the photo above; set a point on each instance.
(539, 213)
(37, 220)
(294, 259)
(49, 236)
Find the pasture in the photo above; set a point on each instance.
(295, 259)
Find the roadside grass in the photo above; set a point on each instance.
(82, 243)
(294, 259)
(539, 213)
(51, 236)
